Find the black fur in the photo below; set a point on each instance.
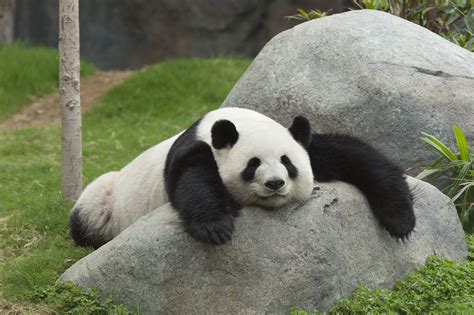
(290, 167)
(348, 159)
(301, 130)
(80, 234)
(224, 134)
(249, 172)
(196, 190)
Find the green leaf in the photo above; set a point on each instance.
(439, 146)
(462, 190)
(303, 14)
(461, 141)
(470, 44)
(462, 175)
(469, 20)
(461, 3)
(453, 17)
(426, 10)
(428, 172)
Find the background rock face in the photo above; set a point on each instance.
(365, 73)
(306, 256)
(133, 33)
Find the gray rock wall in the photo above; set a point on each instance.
(304, 256)
(133, 33)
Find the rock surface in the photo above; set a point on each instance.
(369, 74)
(306, 256)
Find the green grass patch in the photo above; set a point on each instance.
(151, 106)
(68, 298)
(28, 72)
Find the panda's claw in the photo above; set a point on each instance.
(215, 232)
(400, 228)
(214, 238)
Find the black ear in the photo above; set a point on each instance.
(301, 130)
(223, 134)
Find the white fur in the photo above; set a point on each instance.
(95, 204)
(139, 187)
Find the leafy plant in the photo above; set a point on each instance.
(452, 19)
(302, 15)
(381, 5)
(460, 169)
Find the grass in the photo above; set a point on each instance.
(68, 298)
(28, 72)
(150, 106)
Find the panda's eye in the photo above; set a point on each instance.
(290, 167)
(253, 162)
(249, 172)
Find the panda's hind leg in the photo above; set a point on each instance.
(91, 219)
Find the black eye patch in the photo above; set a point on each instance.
(292, 170)
(249, 172)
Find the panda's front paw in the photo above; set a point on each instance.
(215, 232)
(401, 226)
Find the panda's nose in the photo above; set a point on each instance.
(275, 184)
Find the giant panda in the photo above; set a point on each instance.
(234, 157)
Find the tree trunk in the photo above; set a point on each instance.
(7, 19)
(70, 99)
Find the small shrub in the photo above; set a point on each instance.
(302, 15)
(459, 167)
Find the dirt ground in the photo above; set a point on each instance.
(45, 111)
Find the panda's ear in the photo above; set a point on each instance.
(301, 131)
(224, 134)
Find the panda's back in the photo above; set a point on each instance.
(139, 187)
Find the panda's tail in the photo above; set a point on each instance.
(91, 219)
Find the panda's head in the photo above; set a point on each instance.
(263, 163)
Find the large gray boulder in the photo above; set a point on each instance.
(369, 74)
(301, 256)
